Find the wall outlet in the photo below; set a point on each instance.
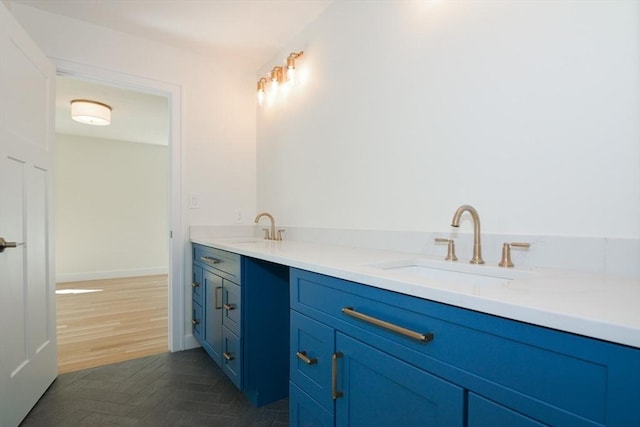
(238, 215)
(194, 200)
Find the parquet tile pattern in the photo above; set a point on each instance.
(165, 390)
(121, 319)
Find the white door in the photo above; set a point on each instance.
(27, 287)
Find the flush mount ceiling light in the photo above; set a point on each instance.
(90, 112)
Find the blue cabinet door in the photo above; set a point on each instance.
(305, 412)
(212, 331)
(383, 391)
(484, 413)
(312, 344)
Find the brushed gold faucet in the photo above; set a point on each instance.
(455, 222)
(271, 233)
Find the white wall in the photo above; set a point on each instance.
(217, 127)
(111, 208)
(218, 122)
(527, 110)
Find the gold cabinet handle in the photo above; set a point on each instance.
(210, 260)
(216, 300)
(302, 355)
(195, 285)
(195, 322)
(228, 355)
(229, 307)
(426, 337)
(335, 394)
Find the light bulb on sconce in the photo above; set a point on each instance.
(291, 66)
(261, 86)
(276, 78)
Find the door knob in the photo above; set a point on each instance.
(4, 244)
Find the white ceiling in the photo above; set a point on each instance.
(135, 116)
(253, 31)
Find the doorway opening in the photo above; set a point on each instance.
(116, 216)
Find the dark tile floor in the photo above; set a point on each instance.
(170, 389)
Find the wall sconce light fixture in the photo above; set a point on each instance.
(262, 84)
(291, 65)
(278, 76)
(90, 112)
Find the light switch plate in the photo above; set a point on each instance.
(194, 200)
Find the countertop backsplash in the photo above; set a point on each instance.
(611, 256)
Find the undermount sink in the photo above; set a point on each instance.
(451, 272)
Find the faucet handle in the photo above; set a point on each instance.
(506, 252)
(451, 248)
(266, 234)
(279, 235)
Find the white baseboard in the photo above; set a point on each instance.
(190, 342)
(116, 274)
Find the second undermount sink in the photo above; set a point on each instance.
(451, 272)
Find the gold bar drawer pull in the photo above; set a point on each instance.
(229, 307)
(228, 355)
(426, 337)
(210, 260)
(302, 355)
(335, 394)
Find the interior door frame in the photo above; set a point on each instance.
(178, 233)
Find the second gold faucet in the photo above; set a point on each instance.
(455, 222)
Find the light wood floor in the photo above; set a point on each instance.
(125, 319)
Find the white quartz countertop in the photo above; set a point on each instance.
(592, 305)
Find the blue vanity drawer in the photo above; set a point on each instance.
(494, 356)
(232, 356)
(197, 284)
(196, 320)
(218, 261)
(231, 307)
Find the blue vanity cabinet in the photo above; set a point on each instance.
(217, 307)
(265, 330)
(241, 318)
(391, 356)
(337, 377)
